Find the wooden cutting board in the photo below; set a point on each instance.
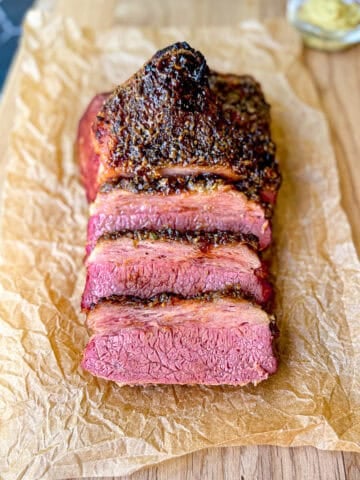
(337, 77)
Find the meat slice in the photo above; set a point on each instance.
(87, 158)
(213, 342)
(176, 117)
(223, 208)
(148, 267)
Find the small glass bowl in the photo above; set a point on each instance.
(317, 37)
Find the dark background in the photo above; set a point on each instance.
(11, 16)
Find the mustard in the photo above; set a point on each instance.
(330, 15)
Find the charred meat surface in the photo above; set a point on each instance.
(222, 341)
(199, 238)
(176, 117)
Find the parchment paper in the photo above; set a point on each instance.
(58, 421)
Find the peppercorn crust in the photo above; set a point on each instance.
(175, 117)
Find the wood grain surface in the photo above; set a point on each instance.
(337, 77)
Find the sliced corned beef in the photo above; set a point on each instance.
(148, 267)
(213, 342)
(223, 208)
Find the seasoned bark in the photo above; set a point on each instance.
(204, 241)
(174, 117)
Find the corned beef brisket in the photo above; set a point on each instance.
(180, 172)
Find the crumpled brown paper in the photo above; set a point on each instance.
(58, 421)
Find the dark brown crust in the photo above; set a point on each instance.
(200, 238)
(166, 185)
(174, 112)
(186, 183)
(171, 298)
